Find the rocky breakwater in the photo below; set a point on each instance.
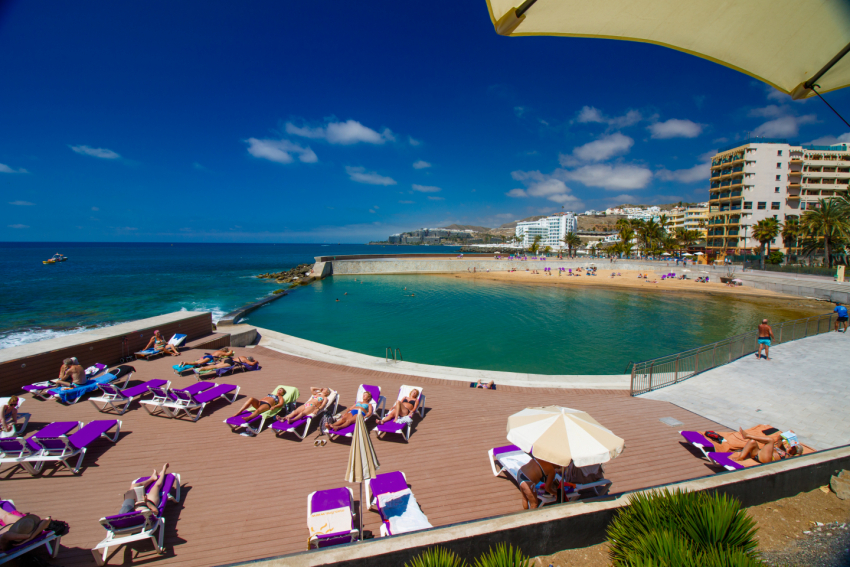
(294, 277)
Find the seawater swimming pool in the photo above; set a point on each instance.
(513, 327)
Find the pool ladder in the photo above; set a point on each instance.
(394, 354)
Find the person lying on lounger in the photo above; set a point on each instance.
(349, 416)
(317, 402)
(404, 407)
(140, 499)
(226, 362)
(19, 528)
(773, 448)
(203, 361)
(160, 344)
(71, 374)
(272, 401)
(534, 474)
(247, 360)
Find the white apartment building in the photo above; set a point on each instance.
(692, 217)
(550, 229)
(769, 178)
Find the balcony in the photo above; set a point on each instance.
(736, 207)
(736, 193)
(732, 232)
(793, 197)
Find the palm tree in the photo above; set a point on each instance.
(626, 237)
(571, 239)
(791, 233)
(765, 231)
(829, 221)
(535, 246)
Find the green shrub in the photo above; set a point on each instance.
(776, 257)
(503, 556)
(277, 291)
(666, 528)
(437, 557)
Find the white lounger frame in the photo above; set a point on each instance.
(51, 542)
(68, 452)
(174, 408)
(112, 401)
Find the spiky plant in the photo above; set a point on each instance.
(503, 555)
(437, 557)
(666, 528)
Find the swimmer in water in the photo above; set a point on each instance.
(337, 299)
(346, 293)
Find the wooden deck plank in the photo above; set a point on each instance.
(233, 485)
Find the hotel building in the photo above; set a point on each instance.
(550, 229)
(692, 217)
(769, 178)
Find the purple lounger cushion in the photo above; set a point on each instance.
(211, 394)
(506, 449)
(723, 460)
(286, 426)
(197, 387)
(55, 429)
(240, 419)
(132, 519)
(697, 439)
(324, 500)
(143, 387)
(80, 439)
(391, 427)
(387, 482)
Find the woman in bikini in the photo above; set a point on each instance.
(9, 418)
(272, 401)
(160, 343)
(311, 407)
(350, 415)
(766, 449)
(140, 499)
(403, 407)
(530, 475)
(17, 528)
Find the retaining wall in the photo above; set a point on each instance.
(41, 360)
(568, 526)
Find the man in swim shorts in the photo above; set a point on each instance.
(765, 334)
(842, 316)
(71, 374)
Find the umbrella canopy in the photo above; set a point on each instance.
(785, 43)
(737, 280)
(687, 254)
(699, 254)
(560, 435)
(666, 254)
(362, 460)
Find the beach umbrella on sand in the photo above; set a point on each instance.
(666, 254)
(687, 254)
(788, 44)
(362, 461)
(699, 254)
(561, 435)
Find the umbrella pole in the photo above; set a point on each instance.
(360, 515)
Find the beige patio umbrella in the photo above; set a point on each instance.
(789, 44)
(560, 435)
(362, 461)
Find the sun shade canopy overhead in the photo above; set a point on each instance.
(789, 44)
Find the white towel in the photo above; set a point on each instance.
(402, 512)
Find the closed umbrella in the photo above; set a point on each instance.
(789, 44)
(362, 460)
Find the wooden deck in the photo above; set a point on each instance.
(245, 498)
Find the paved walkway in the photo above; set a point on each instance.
(804, 387)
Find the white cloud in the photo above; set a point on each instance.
(517, 193)
(784, 126)
(6, 169)
(198, 166)
(565, 199)
(18, 226)
(421, 164)
(342, 133)
(412, 141)
(426, 188)
(675, 128)
(594, 115)
(598, 150)
(551, 187)
(21, 203)
(769, 111)
(520, 110)
(102, 153)
(372, 211)
(433, 198)
(693, 174)
(406, 202)
(280, 151)
(831, 140)
(360, 175)
(622, 200)
(611, 177)
(776, 95)
(95, 209)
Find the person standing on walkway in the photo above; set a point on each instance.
(765, 334)
(842, 316)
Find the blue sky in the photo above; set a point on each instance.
(346, 121)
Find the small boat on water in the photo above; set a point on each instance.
(55, 259)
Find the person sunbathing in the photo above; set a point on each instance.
(161, 345)
(403, 407)
(140, 499)
(203, 361)
(226, 362)
(350, 415)
(491, 385)
(773, 448)
(17, 528)
(247, 361)
(536, 474)
(272, 401)
(317, 402)
(71, 374)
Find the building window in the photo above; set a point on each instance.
(762, 205)
(779, 178)
(748, 204)
(776, 189)
(774, 206)
(779, 152)
(779, 165)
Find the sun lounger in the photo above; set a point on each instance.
(698, 441)
(330, 518)
(400, 513)
(162, 396)
(377, 400)
(126, 528)
(74, 394)
(112, 397)
(724, 460)
(404, 425)
(150, 353)
(61, 448)
(247, 366)
(194, 398)
(46, 538)
(281, 427)
(41, 389)
(203, 373)
(254, 426)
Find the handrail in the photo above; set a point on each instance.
(659, 372)
(396, 354)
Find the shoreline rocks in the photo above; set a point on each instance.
(296, 274)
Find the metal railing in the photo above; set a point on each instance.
(394, 354)
(667, 370)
